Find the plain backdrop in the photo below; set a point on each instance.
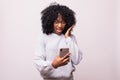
(97, 32)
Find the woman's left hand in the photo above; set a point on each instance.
(68, 33)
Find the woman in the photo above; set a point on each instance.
(57, 24)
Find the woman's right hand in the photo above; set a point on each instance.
(57, 62)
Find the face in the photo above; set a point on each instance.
(59, 25)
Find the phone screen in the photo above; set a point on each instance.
(63, 52)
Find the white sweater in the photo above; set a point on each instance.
(47, 49)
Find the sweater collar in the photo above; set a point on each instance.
(54, 34)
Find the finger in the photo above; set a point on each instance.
(67, 55)
(58, 56)
(66, 61)
(70, 29)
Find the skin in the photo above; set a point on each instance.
(59, 26)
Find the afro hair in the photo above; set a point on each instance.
(50, 14)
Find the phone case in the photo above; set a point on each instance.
(63, 52)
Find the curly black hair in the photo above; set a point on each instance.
(50, 14)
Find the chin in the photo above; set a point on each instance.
(59, 33)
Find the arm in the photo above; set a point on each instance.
(76, 55)
(40, 58)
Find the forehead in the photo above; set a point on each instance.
(60, 17)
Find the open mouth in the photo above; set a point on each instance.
(59, 30)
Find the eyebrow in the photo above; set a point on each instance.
(59, 21)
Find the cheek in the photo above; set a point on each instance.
(54, 26)
(63, 26)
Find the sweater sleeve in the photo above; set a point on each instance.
(76, 54)
(40, 61)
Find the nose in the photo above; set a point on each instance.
(59, 25)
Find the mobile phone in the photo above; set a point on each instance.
(63, 52)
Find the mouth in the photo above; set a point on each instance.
(59, 30)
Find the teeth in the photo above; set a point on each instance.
(59, 30)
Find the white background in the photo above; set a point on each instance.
(97, 31)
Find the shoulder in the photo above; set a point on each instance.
(41, 37)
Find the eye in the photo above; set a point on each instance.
(63, 22)
(56, 22)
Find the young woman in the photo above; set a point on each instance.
(57, 24)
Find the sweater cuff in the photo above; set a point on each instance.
(50, 66)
